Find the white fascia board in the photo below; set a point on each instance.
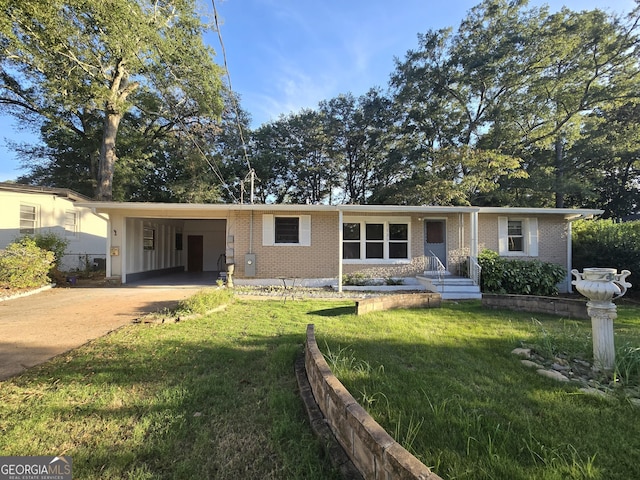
(404, 209)
(172, 209)
(569, 213)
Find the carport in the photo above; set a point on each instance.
(151, 243)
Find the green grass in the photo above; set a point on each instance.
(444, 383)
(216, 397)
(212, 397)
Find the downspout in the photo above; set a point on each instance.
(107, 254)
(251, 232)
(339, 250)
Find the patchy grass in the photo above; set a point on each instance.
(211, 397)
(445, 384)
(215, 396)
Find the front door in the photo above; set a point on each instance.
(195, 253)
(435, 243)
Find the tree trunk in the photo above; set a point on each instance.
(108, 156)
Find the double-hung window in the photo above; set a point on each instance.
(374, 240)
(71, 224)
(518, 236)
(28, 219)
(149, 238)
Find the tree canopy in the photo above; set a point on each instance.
(515, 107)
(77, 68)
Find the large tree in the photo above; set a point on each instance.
(517, 83)
(64, 63)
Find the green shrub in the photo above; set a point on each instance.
(522, 277)
(356, 279)
(23, 264)
(51, 242)
(605, 243)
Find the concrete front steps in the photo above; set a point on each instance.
(450, 287)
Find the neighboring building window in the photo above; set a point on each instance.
(375, 239)
(518, 236)
(28, 219)
(286, 230)
(149, 239)
(71, 224)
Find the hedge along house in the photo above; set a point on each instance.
(32, 210)
(319, 244)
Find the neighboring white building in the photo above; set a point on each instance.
(28, 210)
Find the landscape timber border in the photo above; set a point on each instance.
(368, 447)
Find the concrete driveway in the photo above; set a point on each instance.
(37, 327)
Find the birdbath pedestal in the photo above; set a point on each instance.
(601, 286)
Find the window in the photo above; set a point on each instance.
(514, 236)
(518, 236)
(71, 224)
(178, 241)
(351, 240)
(28, 219)
(286, 230)
(149, 239)
(375, 239)
(398, 240)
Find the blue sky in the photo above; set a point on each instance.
(285, 55)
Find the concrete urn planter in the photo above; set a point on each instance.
(601, 286)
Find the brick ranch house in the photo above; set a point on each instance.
(318, 244)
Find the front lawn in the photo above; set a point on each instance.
(444, 383)
(212, 397)
(216, 397)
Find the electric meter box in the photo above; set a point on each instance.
(250, 265)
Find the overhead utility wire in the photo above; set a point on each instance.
(233, 98)
(178, 119)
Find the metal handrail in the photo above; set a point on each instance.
(436, 265)
(475, 270)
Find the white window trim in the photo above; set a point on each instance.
(36, 221)
(386, 221)
(529, 234)
(269, 230)
(72, 235)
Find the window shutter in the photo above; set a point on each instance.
(305, 230)
(503, 235)
(268, 233)
(532, 237)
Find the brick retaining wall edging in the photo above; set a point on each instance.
(402, 300)
(375, 454)
(564, 307)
